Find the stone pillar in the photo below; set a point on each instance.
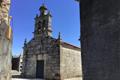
(100, 39)
(5, 41)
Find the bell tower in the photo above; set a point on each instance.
(43, 23)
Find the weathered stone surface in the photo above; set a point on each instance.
(100, 39)
(4, 10)
(5, 41)
(5, 52)
(70, 63)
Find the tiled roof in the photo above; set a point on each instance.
(68, 45)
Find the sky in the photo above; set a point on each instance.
(65, 19)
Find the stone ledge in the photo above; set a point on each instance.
(74, 78)
(25, 79)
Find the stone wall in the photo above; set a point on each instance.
(30, 66)
(70, 63)
(4, 11)
(100, 39)
(5, 52)
(51, 57)
(53, 63)
(5, 41)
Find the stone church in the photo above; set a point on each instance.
(46, 57)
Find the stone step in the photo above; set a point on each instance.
(25, 79)
(43, 79)
(74, 78)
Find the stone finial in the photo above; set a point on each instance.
(43, 7)
(37, 16)
(49, 14)
(79, 38)
(59, 36)
(25, 42)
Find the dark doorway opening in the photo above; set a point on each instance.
(40, 69)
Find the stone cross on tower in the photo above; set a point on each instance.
(43, 23)
(44, 1)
